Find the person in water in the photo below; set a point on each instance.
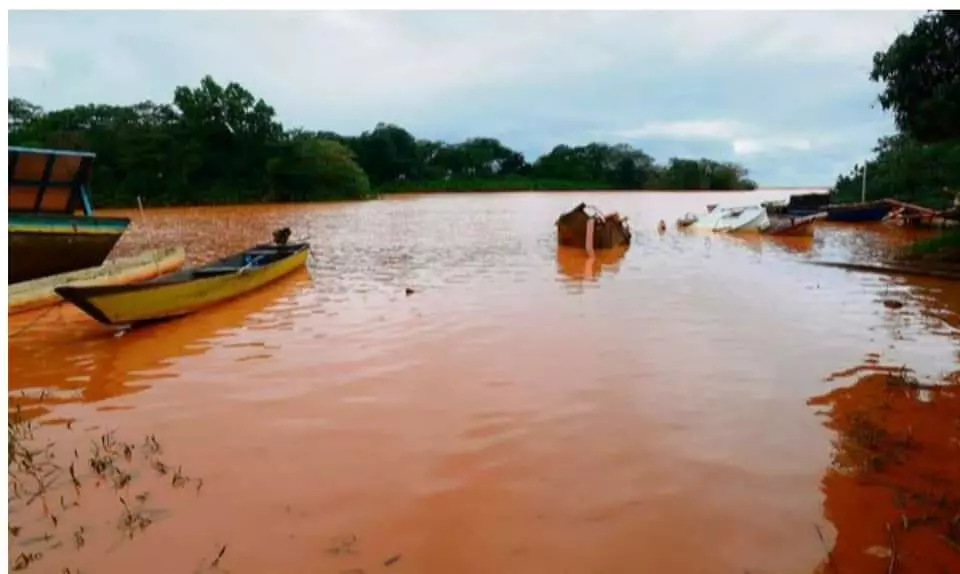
(662, 226)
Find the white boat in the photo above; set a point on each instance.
(733, 219)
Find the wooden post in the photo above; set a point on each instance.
(591, 224)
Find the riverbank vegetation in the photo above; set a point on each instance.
(942, 250)
(220, 144)
(920, 73)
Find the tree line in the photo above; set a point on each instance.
(220, 144)
(920, 73)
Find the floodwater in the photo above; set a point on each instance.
(696, 404)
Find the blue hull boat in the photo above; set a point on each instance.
(859, 212)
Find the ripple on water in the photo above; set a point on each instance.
(526, 408)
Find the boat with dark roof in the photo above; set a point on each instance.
(51, 226)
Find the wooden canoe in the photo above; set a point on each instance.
(121, 271)
(189, 290)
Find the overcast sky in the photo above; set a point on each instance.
(786, 94)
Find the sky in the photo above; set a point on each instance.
(786, 94)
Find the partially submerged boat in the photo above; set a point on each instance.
(732, 219)
(585, 227)
(787, 225)
(41, 292)
(862, 212)
(919, 217)
(46, 189)
(801, 205)
(191, 289)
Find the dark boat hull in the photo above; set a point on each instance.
(44, 245)
(801, 212)
(858, 214)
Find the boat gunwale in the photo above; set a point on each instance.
(82, 297)
(41, 292)
(186, 275)
(30, 216)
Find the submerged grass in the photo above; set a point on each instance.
(39, 481)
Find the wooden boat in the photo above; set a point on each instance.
(46, 189)
(862, 212)
(803, 204)
(775, 207)
(919, 217)
(122, 271)
(793, 226)
(189, 290)
(609, 231)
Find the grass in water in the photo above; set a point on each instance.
(43, 490)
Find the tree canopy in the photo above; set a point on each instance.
(920, 73)
(221, 144)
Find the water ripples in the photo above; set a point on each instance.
(531, 392)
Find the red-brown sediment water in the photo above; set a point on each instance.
(695, 404)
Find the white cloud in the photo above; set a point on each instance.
(27, 59)
(342, 57)
(747, 146)
(743, 138)
(759, 82)
(685, 130)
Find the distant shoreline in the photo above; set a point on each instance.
(414, 193)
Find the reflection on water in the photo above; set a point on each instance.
(789, 244)
(863, 242)
(104, 363)
(489, 421)
(893, 490)
(577, 266)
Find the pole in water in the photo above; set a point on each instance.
(591, 224)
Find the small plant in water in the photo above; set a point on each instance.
(38, 482)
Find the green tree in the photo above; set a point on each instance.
(217, 143)
(308, 168)
(920, 72)
(921, 76)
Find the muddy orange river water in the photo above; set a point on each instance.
(696, 404)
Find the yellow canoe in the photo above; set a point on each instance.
(121, 271)
(189, 290)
